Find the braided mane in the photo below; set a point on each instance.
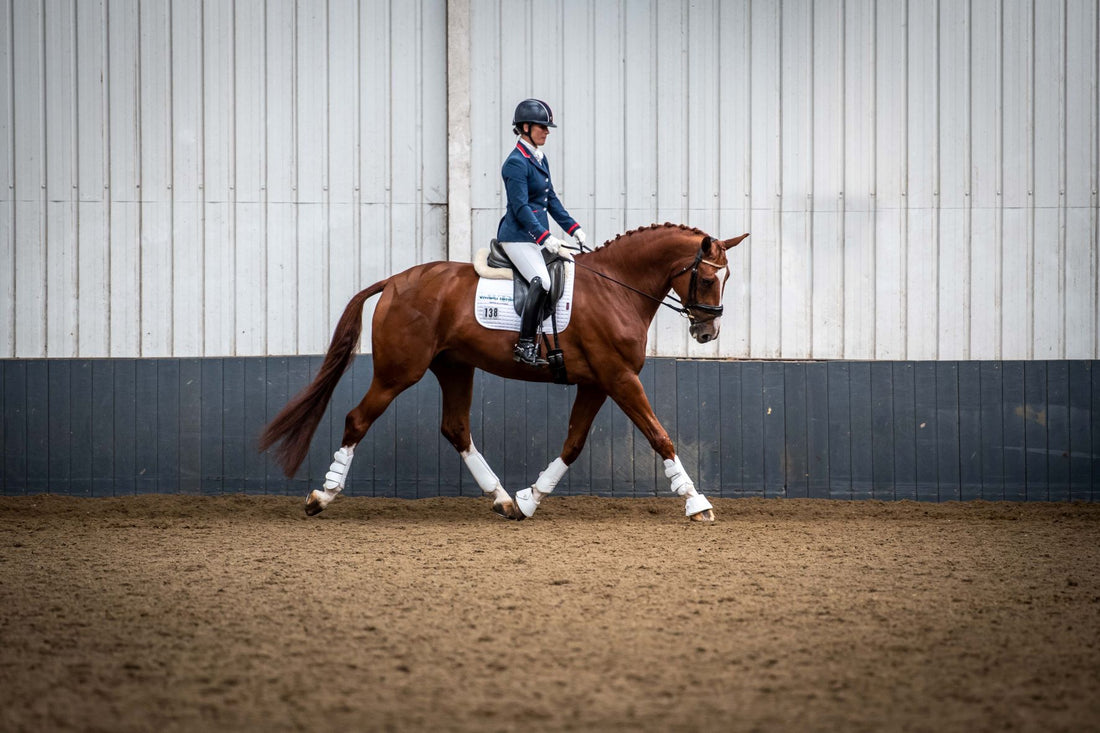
(651, 227)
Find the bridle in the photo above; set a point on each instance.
(687, 309)
(714, 311)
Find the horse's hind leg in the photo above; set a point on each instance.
(456, 380)
(356, 425)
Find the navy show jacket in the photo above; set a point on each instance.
(530, 196)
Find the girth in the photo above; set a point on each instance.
(555, 265)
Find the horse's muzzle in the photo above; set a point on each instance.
(705, 331)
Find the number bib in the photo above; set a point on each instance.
(494, 309)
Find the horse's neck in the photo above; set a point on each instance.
(646, 264)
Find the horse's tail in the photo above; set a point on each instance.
(296, 423)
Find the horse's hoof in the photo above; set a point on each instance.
(707, 515)
(507, 509)
(525, 502)
(314, 503)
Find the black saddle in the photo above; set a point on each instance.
(555, 265)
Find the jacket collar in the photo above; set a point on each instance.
(530, 156)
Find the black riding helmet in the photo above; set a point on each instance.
(534, 111)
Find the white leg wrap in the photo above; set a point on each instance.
(528, 499)
(681, 482)
(478, 466)
(682, 485)
(338, 471)
(549, 478)
(696, 504)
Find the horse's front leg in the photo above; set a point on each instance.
(629, 394)
(586, 405)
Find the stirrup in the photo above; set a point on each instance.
(527, 352)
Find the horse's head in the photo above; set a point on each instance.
(700, 285)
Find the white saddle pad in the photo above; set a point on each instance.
(494, 309)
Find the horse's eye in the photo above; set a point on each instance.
(709, 282)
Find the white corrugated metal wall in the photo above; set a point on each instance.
(919, 177)
(211, 178)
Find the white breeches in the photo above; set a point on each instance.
(527, 257)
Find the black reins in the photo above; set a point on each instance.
(686, 310)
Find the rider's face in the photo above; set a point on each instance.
(538, 134)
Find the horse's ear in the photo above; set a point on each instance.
(730, 243)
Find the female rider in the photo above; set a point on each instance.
(524, 230)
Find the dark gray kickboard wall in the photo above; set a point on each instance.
(930, 431)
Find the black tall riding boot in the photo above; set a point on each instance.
(526, 350)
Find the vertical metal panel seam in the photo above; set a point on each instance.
(233, 195)
(778, 215)
(655, 90)
(171, 142)
(810, 204)
(1046, 390)
(842, 207)
(968, 190)
(747, 180)
(357, 161)
(44, 169)
(1001, 419)
(1030, 286)
(139, 175)
(108, 196)
(74, 153)
(957, 416)
(848, 427)
(719, 200)
(935, 397)
(10, 349)
(903, 264)
(622, 75)
(806, 426)
(1095, 224)
(297, 171)
(999, 185)
(388, 157)
(528, 38)
(937, 183)
(201, 154)
(326, 162)
(654, 78)
(418, 63)
(685, 114)
(1063, 176)
(264, 195)
(873, 347)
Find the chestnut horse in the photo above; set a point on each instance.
(425, 320)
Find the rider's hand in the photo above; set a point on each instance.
(579, 236)
(553, 244)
